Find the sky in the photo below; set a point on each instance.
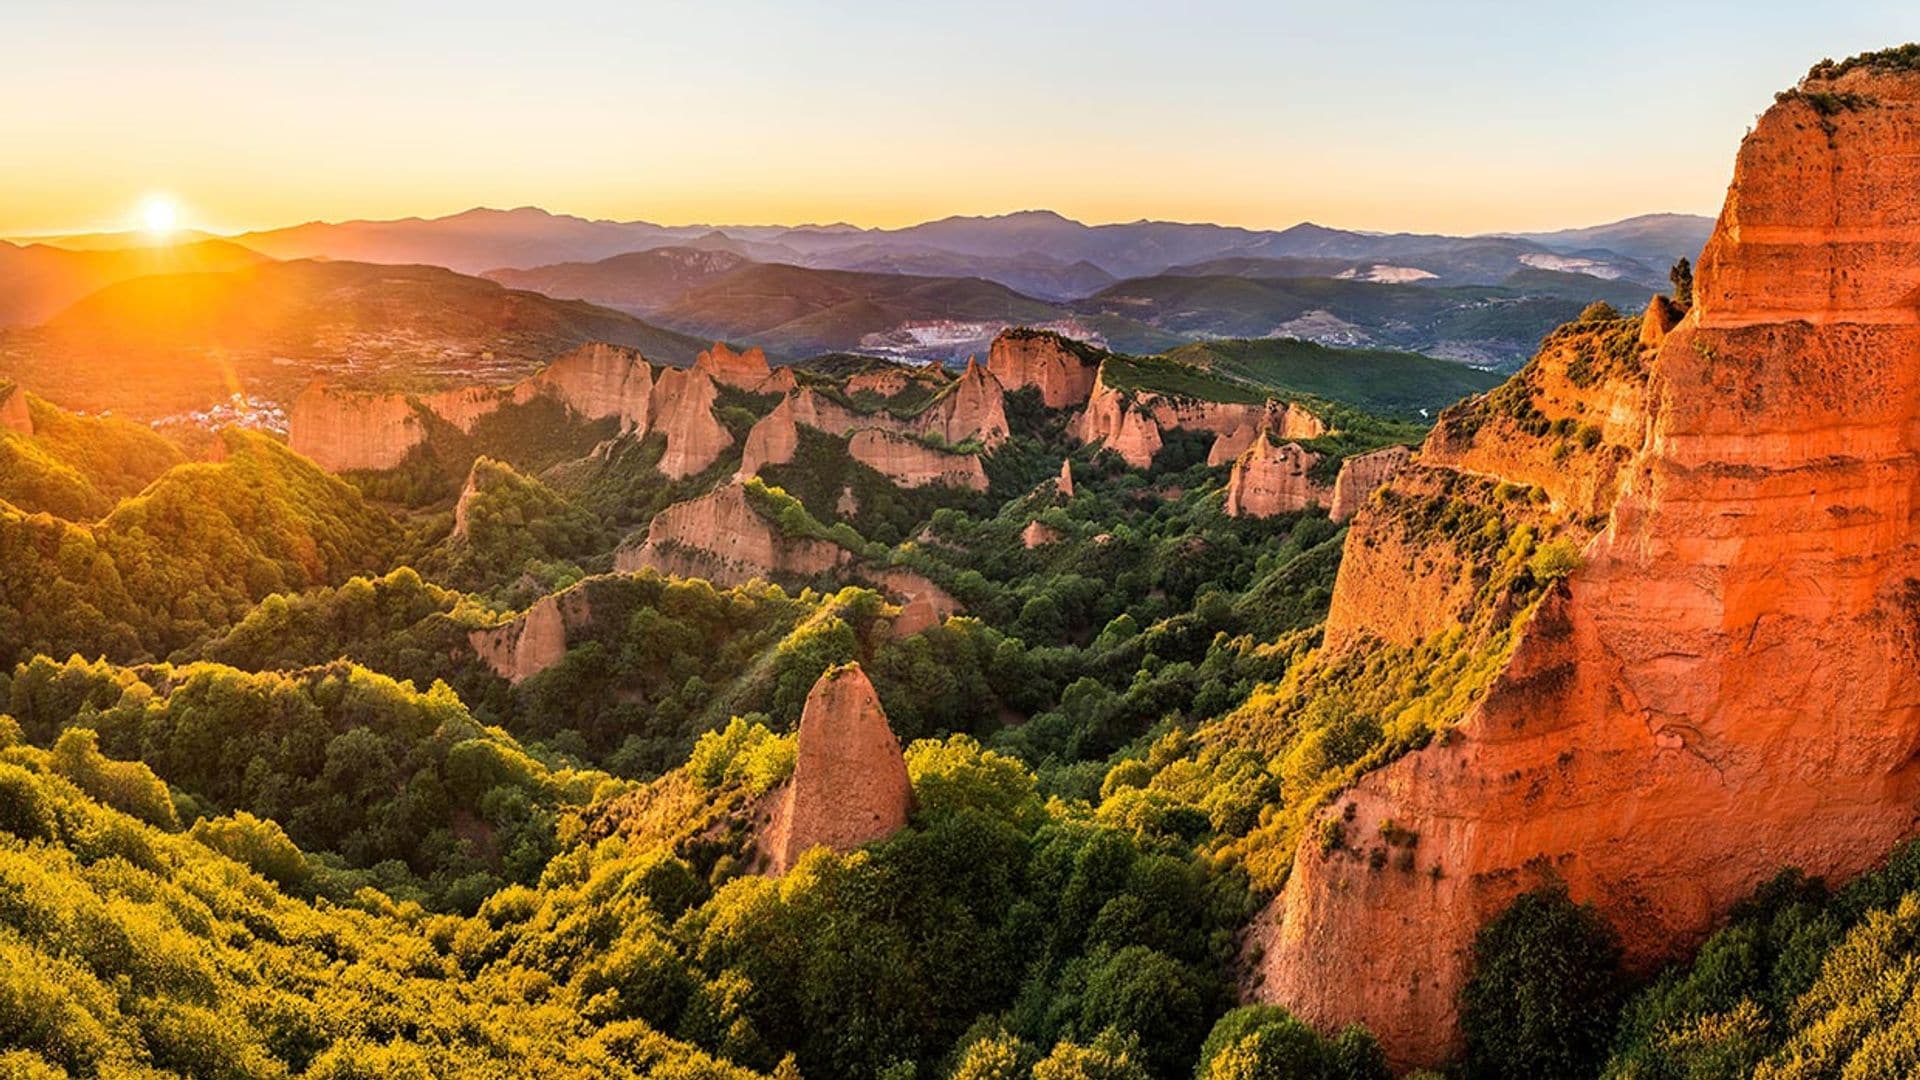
(1427, 116)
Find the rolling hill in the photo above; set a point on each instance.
(1486, 326)
(39, 280)
(156, 345)
(796, 309)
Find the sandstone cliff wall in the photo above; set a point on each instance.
(1062, 377)
(682, 407)
(721, 537)
(913, 464)
(1728, 685)
(536, 639)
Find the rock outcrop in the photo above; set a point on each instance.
(1038, 534)
(1132, 422)
(742, 371)
(1065, 483)
(1282, 421)
(682, 409)
(773, 440)
(343, 430)
(14, 414)
(912, 464)
(1274, 478)
(781, 381)
(534, 640)
(1062, 372)
(1729, 683)
(599, 381)
(1361, 475)
(849, 785)
(822, 413)
(916, 615)
(722, 537)
(975, 407)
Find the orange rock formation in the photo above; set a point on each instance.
(721, 537)
(849, 784)
(535, 640)
(599, 381)
(1038, 534)
(1131, 422)
(1271, 479)
(742, 371)
(910, 463)
(343, 430)
(773, 440)
(1361, 475)
(1730, 683)
(1025, 358)
(1065, 483)
(975, 407)
(682, 409)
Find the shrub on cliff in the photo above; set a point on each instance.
(1545, 991)
(1265, 1042)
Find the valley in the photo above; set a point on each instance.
(512, 644)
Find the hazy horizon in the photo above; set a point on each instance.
(1468, 119)
(134, 232)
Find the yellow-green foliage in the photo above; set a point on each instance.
(742, 753)
(125, 949)
(127, 786)
(189, 555)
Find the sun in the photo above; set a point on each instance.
(159, 216)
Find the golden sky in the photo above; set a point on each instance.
(1452, 118)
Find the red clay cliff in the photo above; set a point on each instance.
(1729, 684)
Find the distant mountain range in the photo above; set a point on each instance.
(1038, 253)
(406, 300)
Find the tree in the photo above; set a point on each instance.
(1545, 992)
(1682, 277)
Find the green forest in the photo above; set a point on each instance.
(268, 810)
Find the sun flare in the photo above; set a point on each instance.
(159, 216)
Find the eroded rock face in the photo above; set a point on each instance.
(721, 537)
(14, 415)
(742, 371)
(343, 430)
(915, 616)
(1065, 483)
(822, 413)
(1728, 685)
(682, 409)
(1361, 475)
(910, 463)
(1020, 359)
(1038, 534)
(1274, 478)
(598, 381)
(975, 408)
(1281, 420)
(849, 784)
(536, 639)
(773, 440)
(1132, 422)
(780, 382)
